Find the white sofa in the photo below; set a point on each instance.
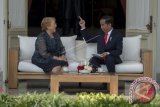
(136, 62)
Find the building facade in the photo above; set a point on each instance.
(139, 13)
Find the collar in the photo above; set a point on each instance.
(109, 33)
(48, 35)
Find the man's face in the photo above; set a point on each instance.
(104, 26)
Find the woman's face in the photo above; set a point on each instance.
(52, 27)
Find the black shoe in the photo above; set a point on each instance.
(94, 70)
(111, 73)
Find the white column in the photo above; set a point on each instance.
(158, 41)
(3, 38)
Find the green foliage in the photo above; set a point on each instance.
(62, 100)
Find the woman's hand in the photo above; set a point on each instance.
(55, 57)
(63, 57)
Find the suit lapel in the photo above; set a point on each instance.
(111, 37)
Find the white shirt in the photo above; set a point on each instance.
(109, 33)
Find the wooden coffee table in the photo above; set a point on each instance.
(111, 79)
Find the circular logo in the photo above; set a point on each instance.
(143, 90)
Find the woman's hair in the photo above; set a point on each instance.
(46, 22)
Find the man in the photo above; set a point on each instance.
(109, 44)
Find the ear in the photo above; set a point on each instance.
(48, 26)
(110, 25)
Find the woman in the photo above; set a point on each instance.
(49, 51)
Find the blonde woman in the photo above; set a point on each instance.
(49, 51)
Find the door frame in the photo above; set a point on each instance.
(148, 40)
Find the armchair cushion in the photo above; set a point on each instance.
(131, 48)
(80, 50)
(127, 67)
(91, 48)
(27, 47)
(69, 44)
(27, 66)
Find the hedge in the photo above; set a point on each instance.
(62, 100)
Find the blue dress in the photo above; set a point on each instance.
(45, 49)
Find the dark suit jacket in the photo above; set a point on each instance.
(114, 45)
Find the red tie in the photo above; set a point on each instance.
(105, 38)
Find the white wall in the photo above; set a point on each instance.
(3, 38)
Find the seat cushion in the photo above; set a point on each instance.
(127, 67)
(27, 66)
(73, 65)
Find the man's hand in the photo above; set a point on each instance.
(104, 55)
(82, 23)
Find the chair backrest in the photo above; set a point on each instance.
(79, 50)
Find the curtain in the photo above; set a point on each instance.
(137, 14)
(123, 3)
(29, 5)
(69, 12)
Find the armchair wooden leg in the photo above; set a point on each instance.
(12, 76)
(13, 67)
(108, 87)
(12, 82)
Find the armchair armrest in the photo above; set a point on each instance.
(13, 67)
(146, 56)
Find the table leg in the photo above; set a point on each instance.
(114, 84)
(54, 84)
(108, 87)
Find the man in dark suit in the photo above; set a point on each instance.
(109, 44)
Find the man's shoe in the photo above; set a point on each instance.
(111, 73)
(94, 70)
